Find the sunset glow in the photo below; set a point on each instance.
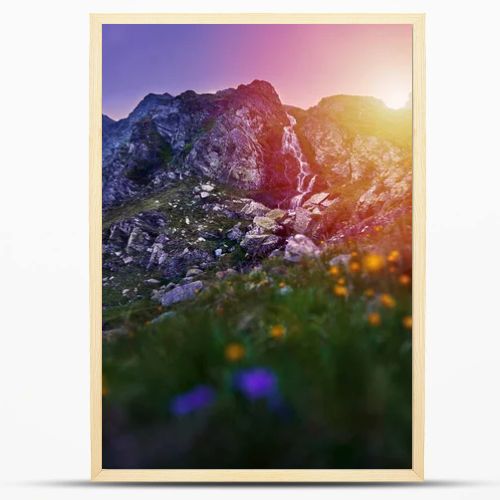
(257, 247)
(304, 63)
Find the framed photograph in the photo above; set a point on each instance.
(257, 247)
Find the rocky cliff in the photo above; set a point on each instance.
(233, 137)
(211, 183)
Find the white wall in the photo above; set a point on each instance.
(44, 443)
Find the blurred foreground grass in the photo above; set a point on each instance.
(302, 365)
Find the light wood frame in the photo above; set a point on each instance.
(416, 473)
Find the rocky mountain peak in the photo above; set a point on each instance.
(260, 87)
(353, 148)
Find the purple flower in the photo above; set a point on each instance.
(195, 399)
(256, 383)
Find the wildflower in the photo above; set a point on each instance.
(393, 256)
(282, 284)
(373, 263)
(197, 398)
(369, 292)
(354, 254)
(256, 383)
(277, 331)
(408, 322)
(378, 229)
(387, 300)
(334, 271)
(404, 280)
(355, 267)
(234, 351)
(392, 269)
(341, 281)
(374, 319)
(340, 291)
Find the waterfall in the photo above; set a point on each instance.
(290, 145)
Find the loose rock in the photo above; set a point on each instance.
(260, 244)
(302, 220)
(254, 208)
(300, 246)
(180, 293)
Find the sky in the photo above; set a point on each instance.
(304, 63)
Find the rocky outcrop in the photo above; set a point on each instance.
(198, 184)
(232, 136)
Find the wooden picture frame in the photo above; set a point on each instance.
(416, 473)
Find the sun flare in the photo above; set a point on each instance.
(396, 99)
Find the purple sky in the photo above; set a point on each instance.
(303, 62)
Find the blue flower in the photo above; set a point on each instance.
(193, 400)
(256, 383)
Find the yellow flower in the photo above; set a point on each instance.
(404, 280)
(387, 300)
(282, 284)
(369, 292)
(378, 229)
(234, 352)
(374, 319)
(341, 281)
(354, 254)
(408, 322)
(277, 331)
(393, 256)
(373, 263)
(355, 267)
(340, 291)
(334, 271)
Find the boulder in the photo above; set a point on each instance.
(300, 246)
(302, 220)
(254, 208)
(276, 214)
(180, 293)
(235, 233)
(137, 241)
(259, 245)
(158, 254)
(266, 223)
(316, 199)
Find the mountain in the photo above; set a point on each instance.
(245, 239)
(233, 137)
(188, 179)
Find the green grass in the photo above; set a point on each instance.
(345, 385)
